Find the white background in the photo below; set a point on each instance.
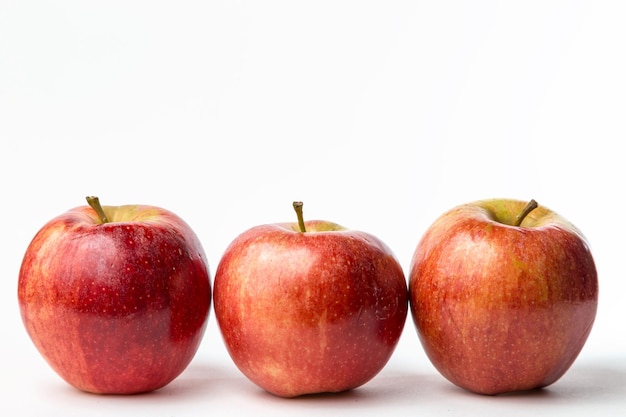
(378, 115)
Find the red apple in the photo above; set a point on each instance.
(309, 307)
(503, 297)
(115, 299)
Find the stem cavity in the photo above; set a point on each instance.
(532, 204)
(297, 206)
(94, 203)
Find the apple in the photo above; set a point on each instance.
(115, 299)
(503, 295)
(309, 307)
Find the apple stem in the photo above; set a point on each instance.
(297, 206)
(94, 202)
(532, 204)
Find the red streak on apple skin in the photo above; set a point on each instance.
(521, 329)
(116, 307)
(306, 313)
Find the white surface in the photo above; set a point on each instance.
(379, 115)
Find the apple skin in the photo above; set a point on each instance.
(118, 307)
(306, 313)
(498, 307)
